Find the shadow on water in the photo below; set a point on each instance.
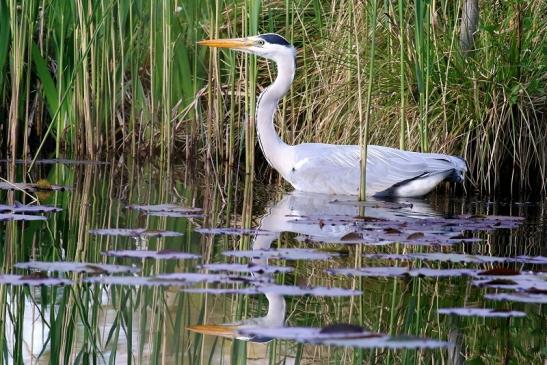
(387, 285)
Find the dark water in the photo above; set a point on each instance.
(149, 323)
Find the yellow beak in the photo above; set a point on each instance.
(227, 43)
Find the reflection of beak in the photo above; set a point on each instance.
(223, 330)
(237, 43)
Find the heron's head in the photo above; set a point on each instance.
(271, 46)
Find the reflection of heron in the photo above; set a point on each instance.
(335, 169)
(275, 316)
(283, 216)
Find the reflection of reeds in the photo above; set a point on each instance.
(149, 324)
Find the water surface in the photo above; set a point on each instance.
(146, 317)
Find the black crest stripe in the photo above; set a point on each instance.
(273, 38)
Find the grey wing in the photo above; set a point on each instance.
(323, 168)
(388, 168)
(335, 168)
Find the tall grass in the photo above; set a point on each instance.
(90, 78)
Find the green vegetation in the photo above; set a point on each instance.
(91, 78)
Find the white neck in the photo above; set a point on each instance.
(271, 144)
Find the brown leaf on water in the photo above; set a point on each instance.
(38, 275)
(352, 236)
(415, 236)
(500, 282)
(365, 218)
(96, 269)
(536, 291)
(500, 271)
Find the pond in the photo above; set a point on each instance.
(150, 265)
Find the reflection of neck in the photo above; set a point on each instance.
(276, 310)
(272, 146)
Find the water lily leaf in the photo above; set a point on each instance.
(439, 257)
(207, 278)
(81, 267)
(284, 253)
(21, 217)
(134, 281)
(248, 268)
(527, 281)
(168, 210)
(535, 260)
(133, 232)
(20, 208)
(396, 271)
(283, 290)
(415, 236)
(156, 255)
(500, 271)
(458, 258)
(232, 231)
(481, 312)
(352, 236)
(32, 280)
(519, 297)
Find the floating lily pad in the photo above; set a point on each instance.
(387, 235)
(134, 281)
(535, 260)
(425, 230)
(519, 297)
(21, 217)
(82, 267)
(499, 271)
(207, 278)
(481, 312)
(30, 187)
(284, 290)
(515, 282)
(460, 258)
(283, 253)
(396, 271)
(32, 280)
(20, 208)
(156, 255)
(248, 268)
(232, 231)
(168, 210)
(133, 232)
(365, 339)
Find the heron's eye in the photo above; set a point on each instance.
(260, 42)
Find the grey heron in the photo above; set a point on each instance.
(329, 168)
